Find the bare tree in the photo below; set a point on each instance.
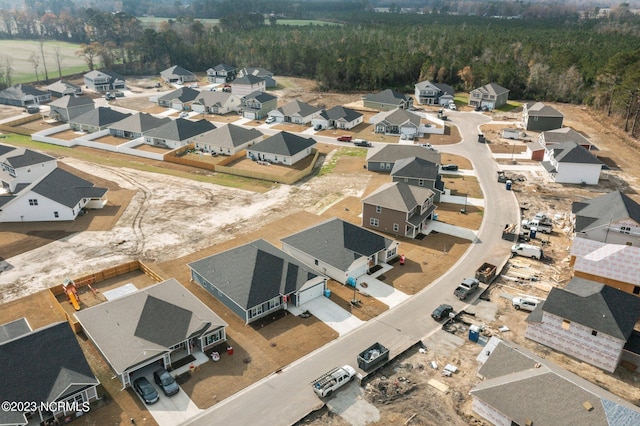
(5, 71)
(58, 55)
(44, 61)
(90, 52)
(35, 61)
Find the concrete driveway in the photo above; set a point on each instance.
(332, 315)
(381, 291)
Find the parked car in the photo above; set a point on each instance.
(441, 312)
(450, 167)
(428, 146)
(317, 127)
(453, 107)
(524, 303)
(32, 109)
(145, 389)
(270, 120)
(361, 142)
(165, 380)
(403, 136)
(345, 138)
(184, 114)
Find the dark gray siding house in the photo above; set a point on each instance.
(383, 159)
(539, 117)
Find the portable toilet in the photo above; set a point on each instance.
(508, 185)
(351, 281)
(532, 232)
(474, 333)
(327, 293)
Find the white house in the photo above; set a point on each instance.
(177, 133)
(569, 162)
(22, 166)
(296, 112)
(338, 117)
(220, 103)
(282, 148)
(243, 86)
(227, 140)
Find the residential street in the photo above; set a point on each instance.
(286, 397)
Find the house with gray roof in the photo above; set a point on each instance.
(227, 140)
(256, 105)
(97, 119)
(282, 148)
(397, 122)
(243, 86)
(219, 103)
(569, 162)
(159, 324)
(398, 208)
(587, 320)
(179, 99)
(222, 73)
(136, 125)
(520, 388)
(418, 172)
(490, 95)
(565, 134)
(63, 88)
(538, 117)
(384, 158)
(14, 329)
(59, 195)
(104, 81)
(69, 107)
(428, 93)
(23, 95)
(338, 117)
(387, 100)
(259, 72)
(296, 112)
(45, 366)
(23, 166)
(339, 249)
(257, 279)
(177, 133)
(612, 218)
(177, 74)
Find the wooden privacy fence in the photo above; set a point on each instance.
(14, 126)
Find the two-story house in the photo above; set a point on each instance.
(418, 172)
(63, 88)
(21, 166)
(257, 105)
(490, 95)
(104, 81)
(67, 108)
(587, 320)
(428, 93)
(296, 112)
(398, 208)
(387, 100)
(569, 162)
(259, 72)
(222, 73)
(539, 117)
(219, 103)
(243, 86)
(384, 158)
(177, 74)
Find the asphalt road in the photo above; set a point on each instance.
(286, 397)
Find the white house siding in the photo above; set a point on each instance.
(603, 351)
(311, 289)
(279, 159)
(32, 173)
(279, 117)
(245, 89)
(20, 210)
(322, 267)
(578, 173)
(489, 413)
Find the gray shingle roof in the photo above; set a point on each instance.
(23, 157)
(248, 79)
(571, 152)
(92, 75)
(126, 330)
(398, 196)
(492, 89)
(394, 152)
(72, 101)
(183, 94)
(66, 188)
(254, 273)
(260, 96)
(539, 109)
(596, 306)
(284, 143)
(339, 112)
(19, 91)
(397, 117)
(99, 117)
(140, 123)
(5, 149)
(387, 96)
(209, 98)
(545, 394)
(181, 129)
(415, 167)
(602, 210)
(14, 329)
(564, 134)
(257, 71)
(175, 71)
(338, 243)
(61, 86)
(42, 366)
(230, 136)
(224, 67)
(445, 89)
(297, 107)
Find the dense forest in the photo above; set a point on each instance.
(561, 58)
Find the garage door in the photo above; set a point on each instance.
(310, 293)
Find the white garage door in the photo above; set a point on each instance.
(310, 293)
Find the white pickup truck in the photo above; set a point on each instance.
(324, 385)
(546, 227)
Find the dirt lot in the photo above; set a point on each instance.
(170, 221)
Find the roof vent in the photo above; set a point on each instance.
(587, 406)
(538, 365)
(528, 422)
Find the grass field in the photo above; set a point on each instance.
(23, 70)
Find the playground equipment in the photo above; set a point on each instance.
(72, 293)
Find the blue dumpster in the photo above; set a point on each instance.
(508, 185)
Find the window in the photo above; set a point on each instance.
(55, 214)
(378, 209)
(33, 202)
(594, 332)
(420, 182)
(406, 179)
(316, 262)
(373, 222)
(566, 324)
(396, 227)
(625, 229)
(636, 290)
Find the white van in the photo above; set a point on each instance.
(525, 304)
(527, 250)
